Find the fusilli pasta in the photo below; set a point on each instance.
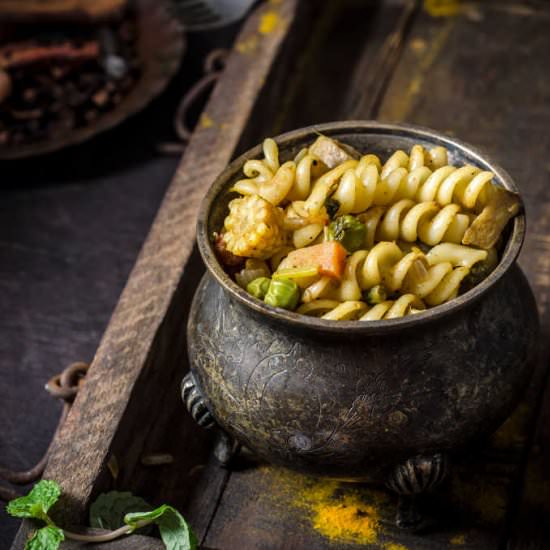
(391, 238)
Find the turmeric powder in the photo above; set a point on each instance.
(347, 519)
(341, 512)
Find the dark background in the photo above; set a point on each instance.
(71, 226)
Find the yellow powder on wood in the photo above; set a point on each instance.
(269, 22)
(458, 540)
(339, 513)
(348, 520)
(247, 45)
(442, 8)
(205, 121)
(394, 546)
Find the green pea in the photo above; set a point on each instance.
(258, 287)
(349, 231)
(376, 295)
(283, 293)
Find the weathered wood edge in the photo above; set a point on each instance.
(375, 69)
(82, 447)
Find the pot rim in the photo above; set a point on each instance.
(509, 254)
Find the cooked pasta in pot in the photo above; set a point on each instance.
(341, 236)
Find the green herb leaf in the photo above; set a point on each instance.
(47, 538)
(175, 532)
(376, 295)
(37, 503)
(349, 231)
(109, 509)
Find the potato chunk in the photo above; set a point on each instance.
(331, 152)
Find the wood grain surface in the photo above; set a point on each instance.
(471, 70)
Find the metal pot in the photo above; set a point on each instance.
(362, 401)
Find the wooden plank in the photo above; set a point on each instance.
(331, 76)
(379, 57)
(529, 521)
(140, 359)
(454, 75)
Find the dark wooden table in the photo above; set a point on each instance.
(71, 226)
(475, 70)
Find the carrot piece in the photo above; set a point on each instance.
(329, 257)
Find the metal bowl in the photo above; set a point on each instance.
(160, 47)
(364, 401)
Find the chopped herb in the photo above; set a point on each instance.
(349, 231)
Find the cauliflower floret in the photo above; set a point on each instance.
(254, 228)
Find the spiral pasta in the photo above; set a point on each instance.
(385, 263)
(365, 183)
(458, 255)
(275, 182)
(406, 304)
(338, 311)
(391, 238)
(409, 221)
(436, 284)
(435, 277)
(419, 157)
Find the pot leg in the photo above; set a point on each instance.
(412, 478)
(226, 447)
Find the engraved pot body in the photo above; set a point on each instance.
(350, 399)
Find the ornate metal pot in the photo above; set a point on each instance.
(373, 401)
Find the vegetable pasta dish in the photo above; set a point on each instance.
(342, 236)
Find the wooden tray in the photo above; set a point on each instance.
(473, 71)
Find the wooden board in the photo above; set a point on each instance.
(462, 73)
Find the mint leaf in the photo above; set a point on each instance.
(175, 532)
(47, 538)
(37, 503)
(133, 519)
(109, 509)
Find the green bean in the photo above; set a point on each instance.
(296, 272)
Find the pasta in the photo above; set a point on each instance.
(410, 221)
(340, 236)
(339, 311)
